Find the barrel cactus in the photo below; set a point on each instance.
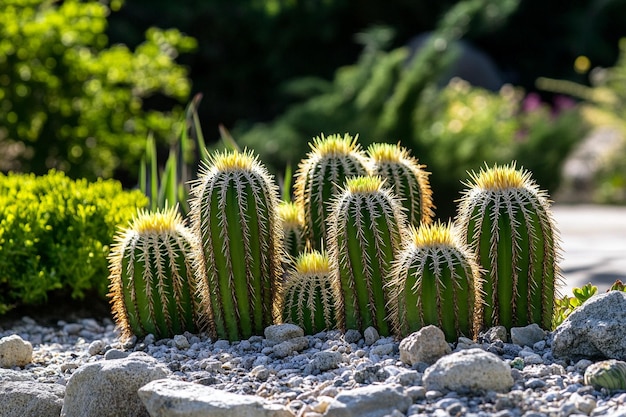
(609, 374)
(406, 177)
(366, 228)
(308, 295)
(434, 280)
(154, 277)
(319, 177)
(290, 217)
(233, 212)
(506, 219)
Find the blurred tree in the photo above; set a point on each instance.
(71, 101)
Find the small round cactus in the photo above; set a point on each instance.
(405, 177)
(434, 280)
(318, 180)
(154, 277)
(308, 295)
(609, 374)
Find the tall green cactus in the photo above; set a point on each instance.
(308, 295)
(233, 211)
(406, 177)
(506, 220)
(154, 277)
(434, 280)
(290, 217)
(319, 177)
(366, 228)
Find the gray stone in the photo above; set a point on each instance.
(288, 347)
(369, 401)
(496, 333)
(470, 370)
(426, 345)
(108, 388)
(371, 336)
(11, 375)
(528, 335)
(326, 360)
(14, 351)
(352, 336)
(30, 398)
(170, 398)
(597, 329)
(279, 333)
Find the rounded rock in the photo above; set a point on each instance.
(15, 351)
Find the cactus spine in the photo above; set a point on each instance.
(366, 228)
(319, 177)
(506, 219)
(406, 178)
(153, 277)
(609, 374)
(434, 281)
(308, 296)
(233, 211)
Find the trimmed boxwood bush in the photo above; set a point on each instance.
(55, 234)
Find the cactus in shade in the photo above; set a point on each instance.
(290, 217)
(308, 295)
(233, 211)
(406, 177)
(434, 280)
(506, 220)
(154, 277)
(366, 228)
(319, 177)
(609, 374)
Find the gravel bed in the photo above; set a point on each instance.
(543, 385)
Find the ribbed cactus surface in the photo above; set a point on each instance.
(608, 374)
(233, 211)
(292, 223)
(434, 281)
(506, 220)
(366, 228)
(154, 276)
(319, 177)
(406, 178)
(308, 295)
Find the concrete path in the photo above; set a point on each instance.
(593, 240)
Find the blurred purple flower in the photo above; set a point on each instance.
(531, 102)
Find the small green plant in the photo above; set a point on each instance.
(308, 295)
(405, 177)
(566, 305)
(435, 280)
(366, 228)
(154, 277)
(233, 211)
(55, 234)
(506, 220)
(609, 374)
(319, 177)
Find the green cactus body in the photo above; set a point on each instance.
(318, 180)
(506, 220)
(290, 217)
(434, 281)
(154, 277)
(366, 228)
(406, 177)
(233, 211)
(309, 296)
(609, 374)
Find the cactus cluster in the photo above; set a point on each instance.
(357, 248)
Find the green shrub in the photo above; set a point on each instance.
(71, 101)
(55, 235)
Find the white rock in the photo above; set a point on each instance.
(170, 398)
(14, 351)
(469, 370)
(528, 335)
(30, 398)
(11, 375)
(279, 333)
(426, 345)
(369, 401)
(108, 388)
(594, 330)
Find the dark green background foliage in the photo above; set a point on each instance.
(70, 100)
(55, 235)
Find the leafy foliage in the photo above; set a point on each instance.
(566, 305)
(70, 101)
(55, 234)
